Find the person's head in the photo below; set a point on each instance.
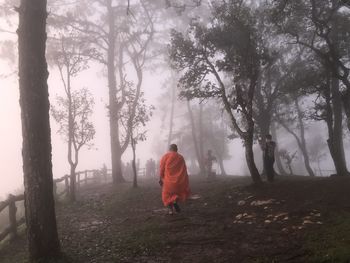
(209, 152)
(173, 148)
(268, 137)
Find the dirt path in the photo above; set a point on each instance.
(227, 221)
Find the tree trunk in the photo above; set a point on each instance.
(335, 128)
(133, 146)
(117, 174)
(263, 114)
(302, 142)
(171, 124)
(72, 163)
(335, 35)
(346, 106)
(43, 243)
(119, 178)
(73, 179)
(290, 169)
(249, 155)
(200, 128)
(264, 123)
(222, 167)
(319, 167)
(279, 164)
(195, 142)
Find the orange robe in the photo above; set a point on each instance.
(173, 173)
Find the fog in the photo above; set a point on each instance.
(99, 154)
(94, 78)
(11, 137)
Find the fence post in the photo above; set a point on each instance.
(12, 217)
(66, 182)
(86, 177)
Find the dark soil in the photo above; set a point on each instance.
(226, 221)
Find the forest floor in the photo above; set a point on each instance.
(295, 219)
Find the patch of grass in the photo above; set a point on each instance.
(331, 242)
(143, 240)
(264, 260)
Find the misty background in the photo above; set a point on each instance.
(155, 87)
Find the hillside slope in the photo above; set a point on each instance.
(295, 219)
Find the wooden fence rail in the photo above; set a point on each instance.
(82, 177)
(11, 230)
(10, 203)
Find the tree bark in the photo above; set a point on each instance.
(200, 139)
(43, 243)
(133, 147)
(195, 142)
(346, 106)
(263, 114)
(73, 179)
(222, 167)
(73, 164)
(249, 155)
(278, 157)
(117, 174)
(290, 169)
(171, 124)
(335, 128)
(302, 141)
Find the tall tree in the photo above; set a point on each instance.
(37, 167)
(298, 117)
(74, 110)
(72, 113)
(196, 131)
(327, 108)
(113, 32)
(323, 27)
(211, 51)
(278, 155)
(142, 114)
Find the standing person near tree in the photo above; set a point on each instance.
(268, 149)
(173, 179)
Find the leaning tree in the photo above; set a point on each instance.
(223, 60)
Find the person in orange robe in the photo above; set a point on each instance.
(173, 179)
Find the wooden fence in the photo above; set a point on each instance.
(10, 202)
(82, 178)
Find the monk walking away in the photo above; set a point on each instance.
(173, 179)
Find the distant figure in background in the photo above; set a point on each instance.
(209, 163)
(150, 168)
(268, 149)
(173, 179)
